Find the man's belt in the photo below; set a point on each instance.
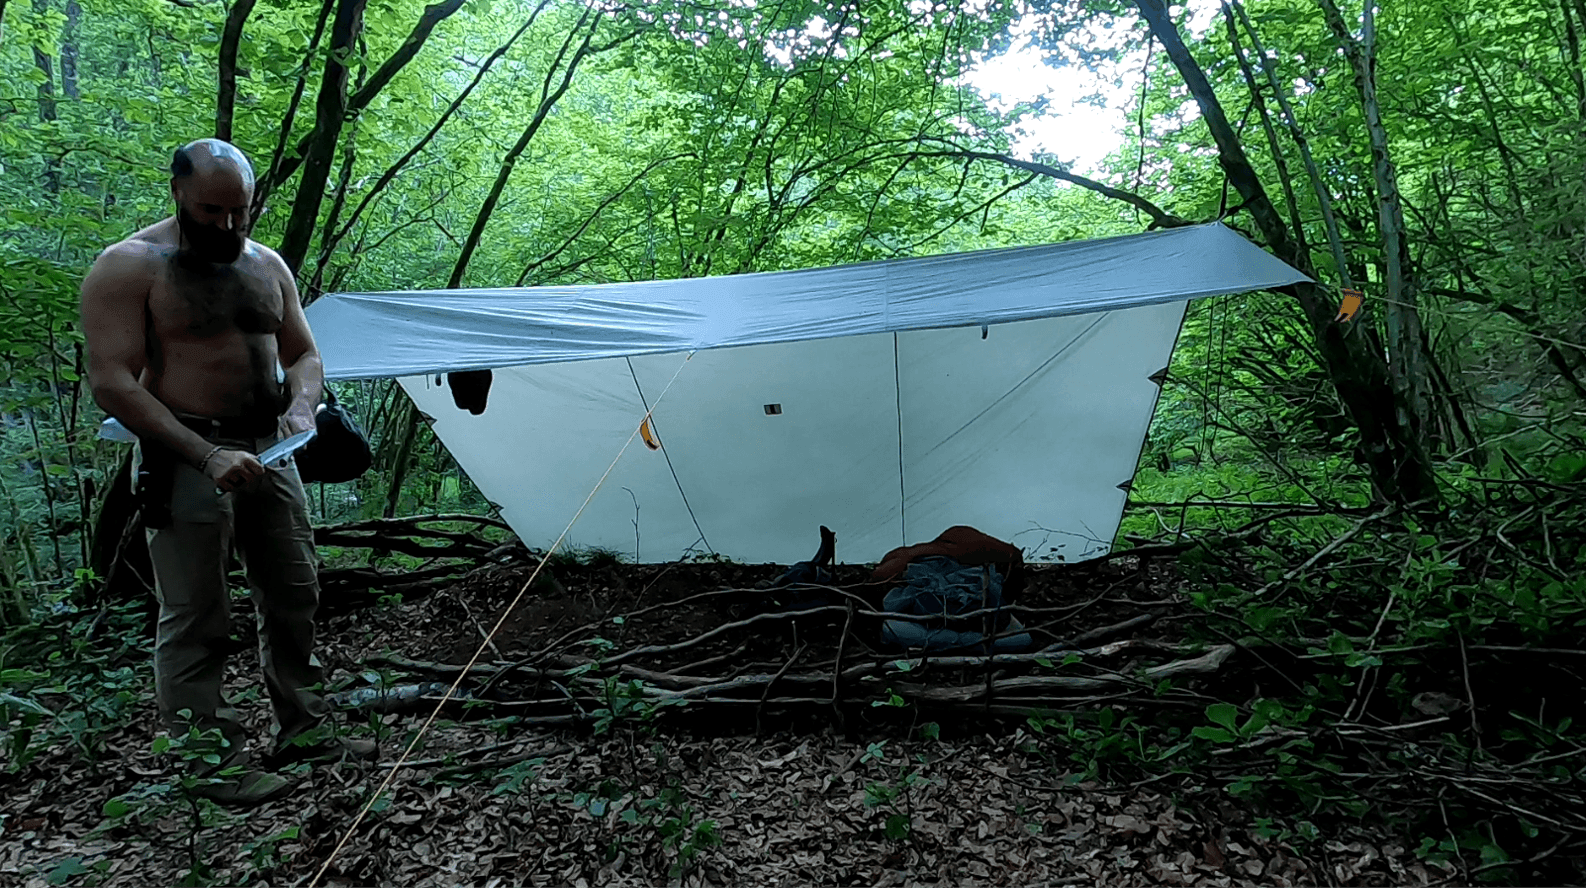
(231, 426)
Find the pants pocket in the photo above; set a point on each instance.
(194, 499)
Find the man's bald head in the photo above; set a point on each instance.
(212, 183)
(211, 157)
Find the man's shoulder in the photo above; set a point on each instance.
(143, 247)
(131, 257)
(161, 236)
(267, 257)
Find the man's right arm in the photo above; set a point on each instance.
(115, 298)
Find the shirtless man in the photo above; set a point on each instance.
(189, 326)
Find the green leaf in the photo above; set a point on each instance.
(23, 703)
(1360, 658)
(116, 808)
(1216, 735)
(1493, 854)
(65, 870)
(1225, 714)
(1262, 618)
(1567, 468)
(1256, 722)
(898, 827)
(1243, 786)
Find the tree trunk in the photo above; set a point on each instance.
(391, 172)
(46, 66)
(1406, 350)
(433, 15)
(1296, 220)
(1324, 200)
(1572, 42)
(74, 15)
(399, 468)
(1399, 466)
(47, 108)
(266, 183)
(156, 72)
(67, 399)
(349, 154)
(330, 111)
(225, 106)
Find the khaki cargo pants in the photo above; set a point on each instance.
(270, 530)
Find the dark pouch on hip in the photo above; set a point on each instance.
(156, 478)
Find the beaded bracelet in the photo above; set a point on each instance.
(204, 463)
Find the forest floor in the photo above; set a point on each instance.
(812, 794)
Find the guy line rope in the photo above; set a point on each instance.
(412, 744)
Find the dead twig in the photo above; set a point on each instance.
(772, 683)
(1328, 549)
(483, 633)
(501, 762)
(475, 751)
(1100, 632)
(837, 667)
(1470, 695)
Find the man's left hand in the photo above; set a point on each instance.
(299, 418)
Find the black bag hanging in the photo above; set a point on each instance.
(339, 450)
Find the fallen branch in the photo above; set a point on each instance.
(1206, 664)
(682, 677)
(1100, 632)
(867, 677)
(407, 535)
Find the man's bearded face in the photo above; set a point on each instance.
(210, 243)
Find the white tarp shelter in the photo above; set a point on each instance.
(1010, 390)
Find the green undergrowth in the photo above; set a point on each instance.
(1415, 672)
(1415, 675)
(71, 680)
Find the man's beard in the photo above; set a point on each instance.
(208, 243)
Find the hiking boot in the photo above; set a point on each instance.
(246, 789)
(334, 749)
